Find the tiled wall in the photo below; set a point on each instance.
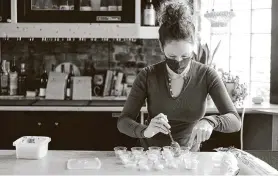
(105, 54)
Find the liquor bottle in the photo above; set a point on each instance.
(104, 5)
(31, 78)
(119, 4)
(69, 84)
(93, 70)
(5, 78)
(13, 79)
(87, 70)
(62, 68)
(22, 80)
(43, 82)
(112, 6)
(53, 68)
(149, 14)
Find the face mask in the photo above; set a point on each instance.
(177, 66)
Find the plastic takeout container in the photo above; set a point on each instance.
(31, 147)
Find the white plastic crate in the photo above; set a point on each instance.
(31, 147)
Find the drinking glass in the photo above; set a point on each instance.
(152, 156)
(168, 152)
(137, 150)
(167, 148)
(125, 158)
(191, 164)
(155, 149)
(120, 150)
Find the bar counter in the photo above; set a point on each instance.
(59, 118)
(55, 163)
(106, 105)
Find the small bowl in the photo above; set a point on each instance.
(119, 150)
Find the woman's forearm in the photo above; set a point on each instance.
(127, 121)
(130, 127)
(225, 123)
(229, 120)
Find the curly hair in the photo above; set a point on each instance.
(175, 19)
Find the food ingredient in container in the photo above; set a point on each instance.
(84, 164)
(31, 147)
(254, 164)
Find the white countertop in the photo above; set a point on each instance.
(55, 164)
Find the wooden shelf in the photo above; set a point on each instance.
(77, 30)
(148, 32)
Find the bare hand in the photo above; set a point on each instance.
(202, 131)
(159, 124)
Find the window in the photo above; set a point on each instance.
(245, 49)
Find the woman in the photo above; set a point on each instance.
(176, 90)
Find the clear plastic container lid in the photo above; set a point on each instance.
(84, 163)
(31, 141)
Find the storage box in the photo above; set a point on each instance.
(82, 88)
(31, 147)
(56, 86)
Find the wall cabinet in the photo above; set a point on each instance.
(76, 11)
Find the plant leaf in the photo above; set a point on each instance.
(200, 54)
(206, 50)
(215, 50)
(203, 59)
(197, 58)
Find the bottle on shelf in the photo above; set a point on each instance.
(62, 68)
(13, 77)
(53, 68)
(5, 77)
(104, 5)
(149, 14)
(69, 83)
(119, 4)
(22, 80)
(112, 6)
(87, 69)
(43, 82)
(93, 70)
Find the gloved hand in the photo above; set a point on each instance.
(202, 132)
(158, 124)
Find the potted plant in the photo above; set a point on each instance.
(236, 90)
(205, 56)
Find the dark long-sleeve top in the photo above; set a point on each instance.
(183, 111)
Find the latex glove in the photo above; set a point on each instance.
(158, 124)
(202, 132)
